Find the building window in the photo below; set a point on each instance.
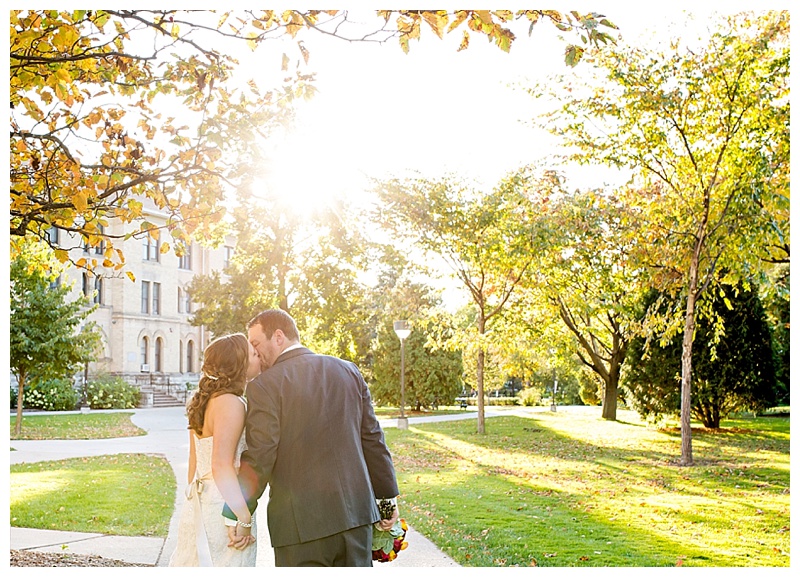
(101, 246)
(185, 260)
(86, 284)
(144, 352)
(228, 256)
(150, 248)
(158, 355)
(156, 298)
(189, 355)
(52, 236)
(180, 356)
(184, 302)
(145, 297)
(55, 283)
(98, 290)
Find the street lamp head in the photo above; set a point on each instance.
(402, 329)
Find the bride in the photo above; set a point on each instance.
(216, 441)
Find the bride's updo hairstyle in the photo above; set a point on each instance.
(224, 371)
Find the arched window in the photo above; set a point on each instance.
(180, 354)
(144, 355)
(158, 355)
(189, 356)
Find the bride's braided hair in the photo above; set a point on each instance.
(224, 371)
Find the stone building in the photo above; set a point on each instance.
(147, 337)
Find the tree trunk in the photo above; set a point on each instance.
(610, 398)
(20, 392)
(479, 374)
(686, 367)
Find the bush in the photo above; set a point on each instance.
(13, 398)
(107, 392)
(530, 397)
(52, 395)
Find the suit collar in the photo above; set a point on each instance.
(286, 355)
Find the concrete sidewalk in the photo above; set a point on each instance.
(168, 436)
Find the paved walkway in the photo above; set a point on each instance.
(168, 436)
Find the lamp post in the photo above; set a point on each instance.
(402, 331)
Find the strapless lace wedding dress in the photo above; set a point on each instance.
(201, 519)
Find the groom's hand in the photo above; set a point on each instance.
(386, 524)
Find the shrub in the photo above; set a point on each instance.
(107, 392)
(530, 397)
(51, 395)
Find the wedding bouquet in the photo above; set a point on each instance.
(387, 544)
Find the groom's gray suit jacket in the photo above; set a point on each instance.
(312, 435)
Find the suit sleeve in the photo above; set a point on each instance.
(262, 435)
(376, 453)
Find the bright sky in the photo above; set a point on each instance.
(381, 112)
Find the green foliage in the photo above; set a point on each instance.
(107, 392)
(732, 371)
(530, 397)
(45, 341)
(776, 304)
(487, 238)
(432, 375)
(704, 132)
(51, 395)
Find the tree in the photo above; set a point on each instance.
(732, 371)
(777, 306)
(587, 280)
(307, 266)
(705, 133)
(432, 374)
(89, 141)
(487, 238)
(45, 342)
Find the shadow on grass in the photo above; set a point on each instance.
(630, 508)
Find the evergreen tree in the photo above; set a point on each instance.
(732, 356)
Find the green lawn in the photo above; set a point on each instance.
(128, 494)
(569, 489)
(76, 426)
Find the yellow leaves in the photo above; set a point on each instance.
(436, 20)
(130, 276)
(164, 247)
(80, 200)
(252, 43)
(61, 255)
(175, 31)
(464, 42)
(573, 55)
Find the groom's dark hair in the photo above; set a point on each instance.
(274, 319)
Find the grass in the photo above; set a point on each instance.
(127, 494)
(394, 412)
(77, 426)
(571, 490)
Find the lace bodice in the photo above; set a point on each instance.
(203, 449)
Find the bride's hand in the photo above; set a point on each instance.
(239, 537)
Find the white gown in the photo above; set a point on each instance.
(207, 504)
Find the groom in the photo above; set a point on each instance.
(312, 435)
